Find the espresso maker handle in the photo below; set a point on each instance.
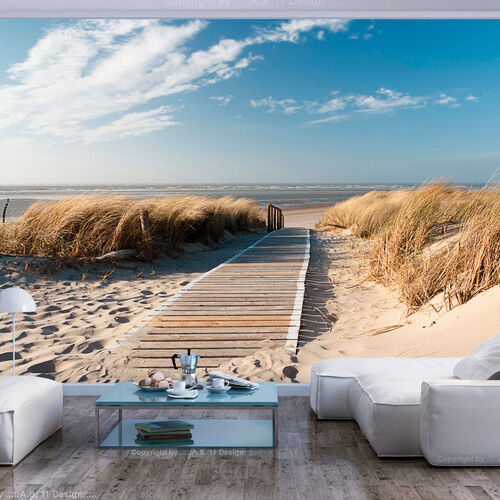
(173, 361)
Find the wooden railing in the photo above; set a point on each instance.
(275, 218)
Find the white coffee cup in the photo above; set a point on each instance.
(219, 383)
(179, 385)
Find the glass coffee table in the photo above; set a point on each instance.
(206, 433)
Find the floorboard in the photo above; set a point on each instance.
(315, 460)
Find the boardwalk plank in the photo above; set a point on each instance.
(251, 301)
(196, 343)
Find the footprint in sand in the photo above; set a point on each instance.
(121, 319)
(44, 367)
(52, 308)
(90, 348)
(146, 292)
(7, 356)
(67, 350)
(47, 330)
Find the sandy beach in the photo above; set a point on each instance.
(86, 311)
(82, 312)
(346, 315)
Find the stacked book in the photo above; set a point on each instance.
(163, 430)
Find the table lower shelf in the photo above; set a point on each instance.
(206, 434)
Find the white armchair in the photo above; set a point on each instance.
(459, 422)
(31, 410)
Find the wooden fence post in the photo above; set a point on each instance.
(146, 234)
(5, 211)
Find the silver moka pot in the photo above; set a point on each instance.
(188, 364)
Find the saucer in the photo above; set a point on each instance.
(189, 394)
(150, 389)
(217, 390)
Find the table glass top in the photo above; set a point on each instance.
(128, 394)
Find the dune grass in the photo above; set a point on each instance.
(93, 226)
(426, 241)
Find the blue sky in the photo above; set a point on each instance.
(328, 101)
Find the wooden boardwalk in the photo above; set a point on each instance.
(230, 311)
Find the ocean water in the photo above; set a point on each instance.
(286, 196)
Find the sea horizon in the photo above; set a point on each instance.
(286, 195)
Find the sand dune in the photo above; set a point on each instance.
(356, 317)
(83, 311)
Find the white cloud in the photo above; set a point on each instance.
(89, 70)
(290, 31)
(132, 124)
(287, 106)
(472, 98)
(385, 100)
(367, 36)
(329, 119)
(221, 100)
(446, 100)
(343, 107)
(80, 75)
(333, 105)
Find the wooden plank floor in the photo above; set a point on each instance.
(229, 312)
(316, 460)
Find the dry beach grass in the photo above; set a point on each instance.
(93, 226)
(436, 239)
(85, 305)
(347, 314)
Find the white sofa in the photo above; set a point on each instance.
(30, 411)
(412, 407)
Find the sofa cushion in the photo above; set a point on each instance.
(387, 407)
(482, 364)
(331, 379)
(16, 391)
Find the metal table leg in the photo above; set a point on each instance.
(275, 427)
(120, 426)
(96, 426)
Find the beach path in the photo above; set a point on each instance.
(251, 301)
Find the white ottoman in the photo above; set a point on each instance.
(30, 411)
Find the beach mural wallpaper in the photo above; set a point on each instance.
(138, 155)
